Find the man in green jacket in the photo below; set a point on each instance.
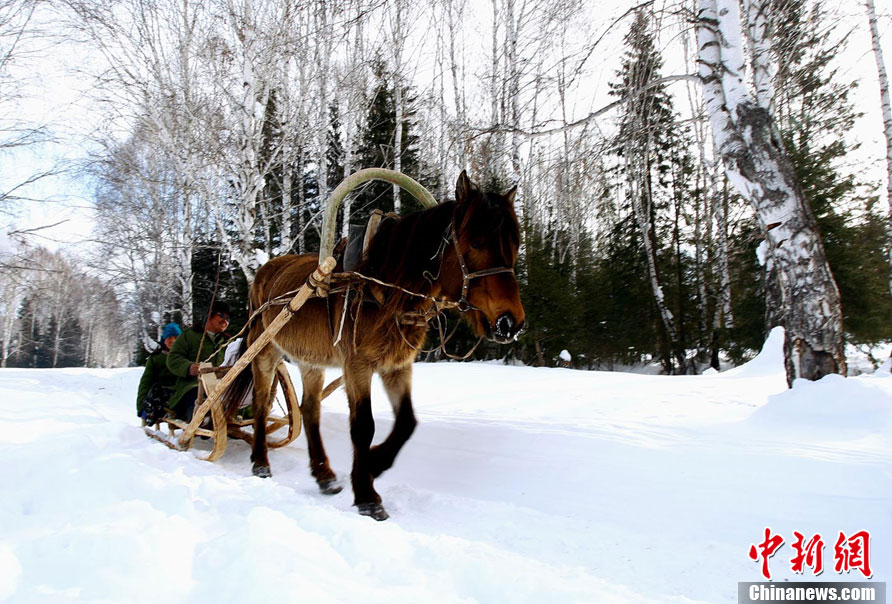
(195, 345)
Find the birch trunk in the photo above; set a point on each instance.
(759, 35)
(708, 326)
(397, 138)
(250, 181)
(453, 19)
(352, 121)
(442, 134)
(642, 203)
(720, 222)
(324, 48)
(759, 168)
(513, 74)
(57, 339)
(9, 318)
(398, 41)
(348, 169)
(567, 189)
(285, 225)
(301, 205)
(303, 112)
(887, 119)
(185, 259)
(496, 146)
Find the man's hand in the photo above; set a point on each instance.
(193, 369)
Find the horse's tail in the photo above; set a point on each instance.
(243, 385)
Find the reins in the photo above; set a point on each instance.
(444, 339)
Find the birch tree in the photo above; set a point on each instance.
(18, 38)
(324, 46)
(14, 276)
(353, 83)
(244, 95)
(138, 213)
(149, 49)
(887, 117)
(452, 17)
(711, 252)
(759, 168)
(397, 43)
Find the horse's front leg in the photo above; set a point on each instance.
(398, 385)
(358, 383)
(313, 379)
(264, 369)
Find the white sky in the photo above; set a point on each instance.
(56, 95)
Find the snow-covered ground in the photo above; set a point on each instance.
(520, 485)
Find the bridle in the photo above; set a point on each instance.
(422, 318)
(463, 304)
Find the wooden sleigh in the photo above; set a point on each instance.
(209, 418)
(214, 426)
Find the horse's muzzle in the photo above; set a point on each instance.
(506, 329)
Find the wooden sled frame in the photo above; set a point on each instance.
(220, 429)
(210, 390)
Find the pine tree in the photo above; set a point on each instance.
(646, 143)
(334, 153)
(554, 311)
(375, 149)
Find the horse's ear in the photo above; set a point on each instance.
(510, 195)
(464, 187)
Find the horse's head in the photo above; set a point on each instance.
(485, 237)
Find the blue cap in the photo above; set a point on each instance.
(171, 329)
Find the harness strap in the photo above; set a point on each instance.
(464, 304)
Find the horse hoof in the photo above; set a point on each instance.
(330, 487)
(373, 510)
(262, 471)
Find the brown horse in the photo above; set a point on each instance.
(462, 251)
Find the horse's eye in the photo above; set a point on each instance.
(477, 244)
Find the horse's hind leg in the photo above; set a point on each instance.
(313, 379)
(264, 368)
(358, 383)
(398, 385)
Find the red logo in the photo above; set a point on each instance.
(853, 552)
(809, 554)
(765, 550)
(849, 553)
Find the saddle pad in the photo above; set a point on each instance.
(358, 240)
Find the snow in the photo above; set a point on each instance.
(150, 344)
(762, 252)
(520, 485)
(867, 358)
(8, 247)
(565, 355)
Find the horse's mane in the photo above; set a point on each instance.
(403, 249)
